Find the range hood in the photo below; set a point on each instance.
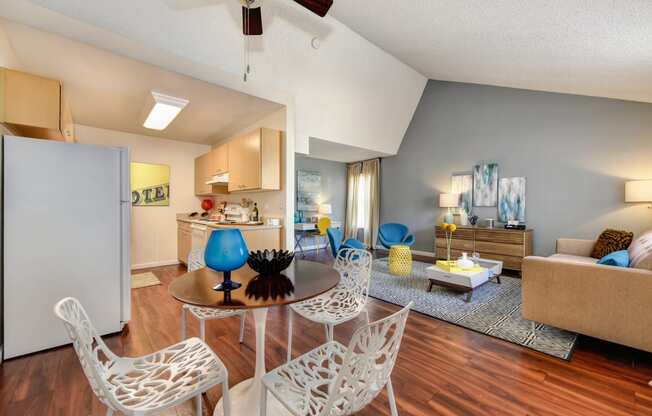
(221, 179)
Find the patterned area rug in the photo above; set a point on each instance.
(495, 309)
(144, 280)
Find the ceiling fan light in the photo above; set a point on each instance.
(166, 108)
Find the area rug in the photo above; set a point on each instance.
(144, 280)
(495, 309)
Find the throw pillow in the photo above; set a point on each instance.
(610, 241)
(640, 252)
(617, 258)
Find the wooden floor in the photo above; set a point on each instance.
(442, 369)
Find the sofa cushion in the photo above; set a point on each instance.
(617, 258)
(610, 241)
(640, 252)
(574, 259)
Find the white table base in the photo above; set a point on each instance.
(245, 396)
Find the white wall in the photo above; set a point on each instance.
(7, 55)
(349, 91)
(154, 229)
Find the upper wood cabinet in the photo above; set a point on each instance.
(32, 106)
(202, 174)
(219, 159)
(255, 161)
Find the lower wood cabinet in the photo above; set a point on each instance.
(184, 241)
(256, 239)
(508, 246)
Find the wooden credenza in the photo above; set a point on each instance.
(508, 246)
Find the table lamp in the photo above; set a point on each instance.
(638, 191)
(449, 201)
(226, 251)
(326, 209)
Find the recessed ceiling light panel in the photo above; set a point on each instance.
(166, 108)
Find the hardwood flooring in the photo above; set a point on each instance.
(442, 369)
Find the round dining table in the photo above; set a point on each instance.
(302, 280)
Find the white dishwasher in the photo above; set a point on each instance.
(199, 235)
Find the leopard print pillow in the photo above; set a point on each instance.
(610, 241)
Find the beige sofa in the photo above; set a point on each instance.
(569, 290)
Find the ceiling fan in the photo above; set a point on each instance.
(252, 22)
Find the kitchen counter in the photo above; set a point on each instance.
(243, 227)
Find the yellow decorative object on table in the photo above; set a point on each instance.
(400, 260)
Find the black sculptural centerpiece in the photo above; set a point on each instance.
(270, 262)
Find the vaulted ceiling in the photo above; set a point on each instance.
(588, 47)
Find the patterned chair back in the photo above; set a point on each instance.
(354, 266)
(368, 364)
(196, 260)
(94, 356)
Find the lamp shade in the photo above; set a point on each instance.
(326, 209)
(638, 191)
(449, 200)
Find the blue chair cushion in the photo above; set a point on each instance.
(617, 258)
(352, 243)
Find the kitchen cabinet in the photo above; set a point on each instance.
(32, 106)
(255, 161)
(202, 174)
(219, 159)
(184, 241)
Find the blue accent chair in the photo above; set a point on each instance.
(335, 240)
(392, 234)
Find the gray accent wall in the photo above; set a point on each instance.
(576, 153)
(333, 182)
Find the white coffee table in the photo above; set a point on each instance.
(465, 281)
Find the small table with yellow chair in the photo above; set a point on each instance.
(310, 229)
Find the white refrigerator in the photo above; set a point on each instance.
(66, 221)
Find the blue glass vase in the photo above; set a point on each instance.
(226, 251)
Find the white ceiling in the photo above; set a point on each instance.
(338, 152)
(588, 47)
(109, 91)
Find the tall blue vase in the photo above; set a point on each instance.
(226, 251)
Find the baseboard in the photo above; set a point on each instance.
(154, 264)
(424, 253)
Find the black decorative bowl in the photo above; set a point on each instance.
(270, 262)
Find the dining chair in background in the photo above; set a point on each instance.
(196, 262)
(341, 304)
(146, 385)
(338, 380)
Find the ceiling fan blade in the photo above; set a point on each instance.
(252, 21)
(319, 7)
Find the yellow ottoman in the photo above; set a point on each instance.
(400, 260)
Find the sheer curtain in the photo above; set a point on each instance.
(363, 200)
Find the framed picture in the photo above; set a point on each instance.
(511, 199)
(150, 184)
(463, 184)
(485, 185)
(308, 190)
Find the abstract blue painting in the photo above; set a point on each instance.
(511, 199)
(485, 185)
(462, 184)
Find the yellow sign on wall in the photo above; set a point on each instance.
(150, 184)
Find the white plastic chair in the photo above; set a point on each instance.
(334, 380)
(344, 302)
(146, 385)
(195, 262)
